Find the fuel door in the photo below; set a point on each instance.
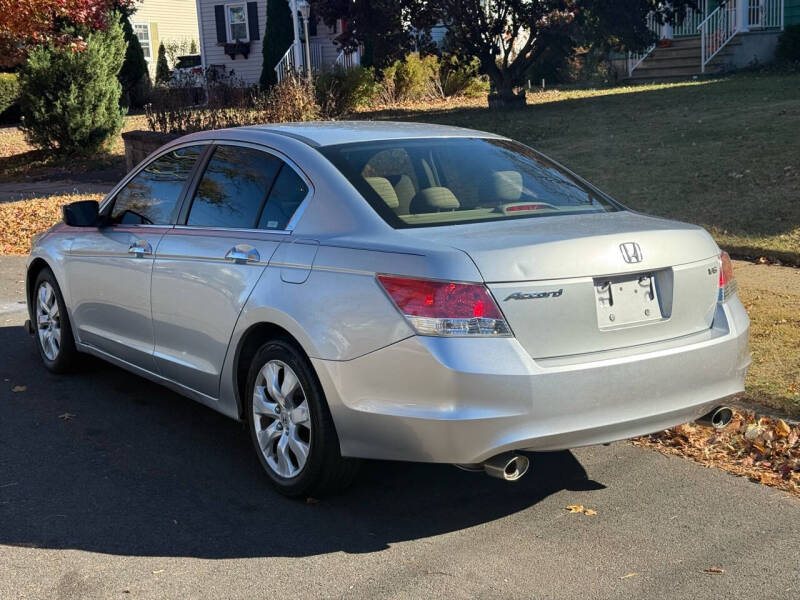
(295, 259)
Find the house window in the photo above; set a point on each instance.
(142, 31)
(236, 15)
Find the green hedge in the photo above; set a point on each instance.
(789, 44)
(70, 100)
(9, 97)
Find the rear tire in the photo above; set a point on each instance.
(51, 325)
(290, 425)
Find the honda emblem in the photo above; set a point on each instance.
(631, 252)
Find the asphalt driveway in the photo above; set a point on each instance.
(113, 487)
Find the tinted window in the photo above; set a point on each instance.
(461, 180)
(152, 196)
(286, 195)
(233, 188)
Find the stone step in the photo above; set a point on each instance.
(682, 73)
(688, 42)
(679, 61)
(670, 53)
(685, 63)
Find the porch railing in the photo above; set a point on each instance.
(287, 64)
(636, 58)
(765, 14)
(692, 21)
(716, 30)
(348, 60)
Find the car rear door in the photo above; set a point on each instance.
(206, 267)
(109, 268)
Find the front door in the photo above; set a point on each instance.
(206, 268)
(109, 268)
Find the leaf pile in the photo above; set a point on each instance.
(763, 449)
(21, 220)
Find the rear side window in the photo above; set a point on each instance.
(233, 188)
(151, 198)
(284, 199)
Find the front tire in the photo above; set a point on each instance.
(290, 425)
(52, 329)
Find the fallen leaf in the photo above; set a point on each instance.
(19, 388)
(782, 429)
(590, 512)
(718, 570)
(311, 500)
(628, 575)
(67, 416)
(575, 508)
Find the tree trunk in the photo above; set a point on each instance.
(502, 93)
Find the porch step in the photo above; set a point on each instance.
(681, 60)
(685, 42)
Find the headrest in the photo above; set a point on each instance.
(433, 199)
(384, 189)
(502, 186)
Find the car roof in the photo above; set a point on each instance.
(327, 133)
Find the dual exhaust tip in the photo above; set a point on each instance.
(511, 466)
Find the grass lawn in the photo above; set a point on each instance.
(20, 161)
(772, 297)
(722, 153)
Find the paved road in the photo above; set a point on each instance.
(11, 192)
(143, 494)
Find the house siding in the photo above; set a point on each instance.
(248, 69)
(791, 12)
(325, 36)
(169, 20)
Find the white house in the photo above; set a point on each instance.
(231, 35)
(167, 21)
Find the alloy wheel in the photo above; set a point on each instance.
(48, 320)
(281, 419)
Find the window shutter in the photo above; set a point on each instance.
(252, 20)
(222, 29)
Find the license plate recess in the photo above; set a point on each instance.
(626, 300)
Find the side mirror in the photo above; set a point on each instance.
(85, 213)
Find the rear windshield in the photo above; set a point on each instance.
(444, 181)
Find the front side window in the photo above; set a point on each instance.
(142, 31)
(234, 188)
(237, 23)
(151, 197)
(447, 181)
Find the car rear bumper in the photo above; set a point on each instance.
(461, 400)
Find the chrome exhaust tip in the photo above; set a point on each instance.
(719, 418)
(509, 466)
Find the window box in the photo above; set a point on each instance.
(232, 49)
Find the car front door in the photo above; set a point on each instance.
(206, 267)
(109, 268)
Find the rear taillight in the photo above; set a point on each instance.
(727, 283)
(445, 308)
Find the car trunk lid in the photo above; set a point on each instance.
(587, 283)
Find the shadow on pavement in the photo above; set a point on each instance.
(139, 470)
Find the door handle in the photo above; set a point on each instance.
(242, 253)
(140, 248)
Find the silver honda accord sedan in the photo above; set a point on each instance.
(391, 291)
